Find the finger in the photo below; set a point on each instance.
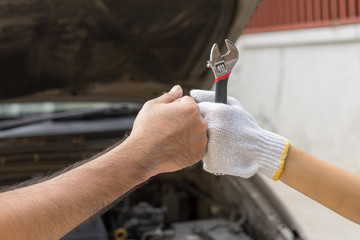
(202, 95)
(206, 109)
(214, 111)
(209, 96)
(175, 93)
(187, 99)
(233, 102)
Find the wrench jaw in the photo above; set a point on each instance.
(231, 56)
(215, 52)
(223, 64)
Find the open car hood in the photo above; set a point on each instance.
(111, 50)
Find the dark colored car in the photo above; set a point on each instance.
(75, 74)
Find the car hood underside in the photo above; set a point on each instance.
(111, 50)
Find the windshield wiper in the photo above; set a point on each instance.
(82, 114)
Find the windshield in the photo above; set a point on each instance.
(16, 110)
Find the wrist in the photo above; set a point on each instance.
(136, 152)
(271, 153)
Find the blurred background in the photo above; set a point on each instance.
(299, 75)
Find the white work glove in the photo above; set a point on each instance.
(237, 145)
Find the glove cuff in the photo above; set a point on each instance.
(272, 152)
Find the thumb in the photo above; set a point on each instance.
(175, 93)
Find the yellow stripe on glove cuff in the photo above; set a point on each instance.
(282, 162)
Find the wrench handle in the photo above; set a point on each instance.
(221, 90)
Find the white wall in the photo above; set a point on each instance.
(305, 85)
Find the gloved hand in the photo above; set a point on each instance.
(237, 145)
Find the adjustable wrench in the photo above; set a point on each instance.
(222, 66)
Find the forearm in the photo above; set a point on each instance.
(333, 187)
(168, 134)
(50, 209)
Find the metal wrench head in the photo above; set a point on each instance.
(223, 64)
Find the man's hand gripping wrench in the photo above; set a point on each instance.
(222, 66)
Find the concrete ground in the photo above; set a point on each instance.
(316, 221)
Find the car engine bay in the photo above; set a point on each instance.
(175, 210)
(189, 205)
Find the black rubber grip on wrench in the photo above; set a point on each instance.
(221, 91)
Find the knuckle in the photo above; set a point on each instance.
(192, 108)
(204, 123)
(202, 126)
(205, 140)
(149, 103)
(187, 98)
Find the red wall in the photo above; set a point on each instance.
(276, 15)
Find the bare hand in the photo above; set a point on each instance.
(168, 134)
(170, 131)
